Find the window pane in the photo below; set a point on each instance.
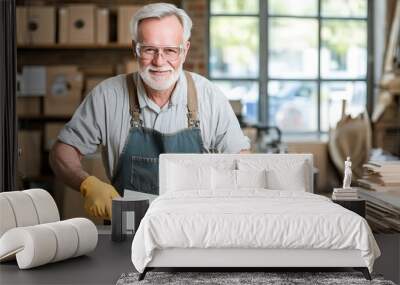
(293, 105)
(344, 49)
(247, 92)
(293, 48)
(234, 48)
(293, 7)
(234, 6)
(332, 94)
(344, 8)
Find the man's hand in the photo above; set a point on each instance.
(98, 197)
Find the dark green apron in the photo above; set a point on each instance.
(137, 167)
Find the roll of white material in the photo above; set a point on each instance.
(33, 246)
(46, 208)
(67, 240)
(23, 208)
(41, 244)
(7, 218)
(87, 235)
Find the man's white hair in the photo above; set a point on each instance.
(160, 10)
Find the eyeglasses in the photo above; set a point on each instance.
(168, 52)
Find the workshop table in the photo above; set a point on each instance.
(104, 265)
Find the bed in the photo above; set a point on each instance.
(246, 211)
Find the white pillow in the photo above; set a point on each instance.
(251, 178)
(223, 179)
(282, 173)
(183, 177)
(228, 179)
(294, 180)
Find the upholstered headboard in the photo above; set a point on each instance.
(283, 165)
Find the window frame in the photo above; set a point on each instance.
(264, 78)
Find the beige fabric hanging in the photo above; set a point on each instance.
(351, 137)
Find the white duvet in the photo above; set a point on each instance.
(252, 218)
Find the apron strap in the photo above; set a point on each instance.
(191, 101)
(134, 108)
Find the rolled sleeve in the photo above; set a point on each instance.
(84, 130)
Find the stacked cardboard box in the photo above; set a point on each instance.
(77, 24)
(64, 89)
(36, 25)
(83, 24)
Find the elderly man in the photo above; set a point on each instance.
(135, 117)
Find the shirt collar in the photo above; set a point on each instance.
(178, 96)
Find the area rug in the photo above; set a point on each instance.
(243, 278)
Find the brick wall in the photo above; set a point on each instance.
(198, 53)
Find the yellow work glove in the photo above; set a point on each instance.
(98, 196)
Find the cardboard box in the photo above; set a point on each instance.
(125, 14)
(21, 15)
(81, 21)
(28, 106)
(30, 154)
(64, 90)
(63, 25)
(33, 80)
(36, 25)
(40, 25)
(51, 131)
(103, 26)
(321, 160)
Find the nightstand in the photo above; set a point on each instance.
(357, 206)
(119, 207)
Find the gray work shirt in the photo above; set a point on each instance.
(103, 118)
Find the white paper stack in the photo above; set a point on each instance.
(345, 194)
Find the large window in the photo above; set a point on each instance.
(291, 63)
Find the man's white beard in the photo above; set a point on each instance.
(162, 83)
